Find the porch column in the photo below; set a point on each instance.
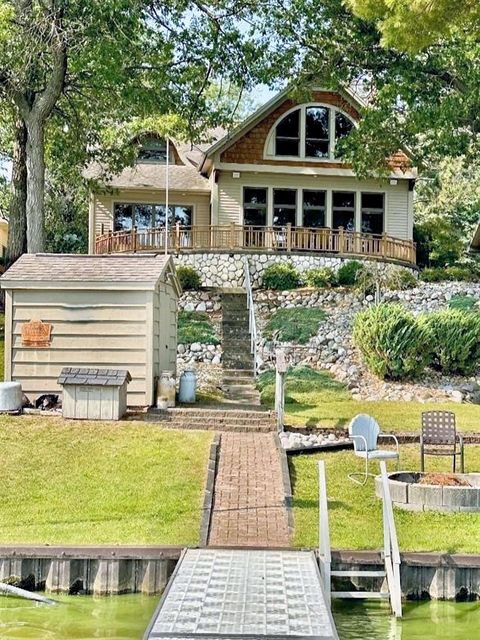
(328, 209)
(358, 211)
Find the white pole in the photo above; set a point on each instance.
(166, 195)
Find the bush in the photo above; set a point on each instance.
(349, 273)
(457, 272)
(280, 276)
(321, 277)
(189, 278)
(433, 274)
(400, 280)
(462, 302)
(195, 326)
(294, 325)
(393, 343)
(455, 336)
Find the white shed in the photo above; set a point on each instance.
(108, 312)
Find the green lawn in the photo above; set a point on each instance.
(196, 326)
(315, 398)
(92, 482)
(356, 515)
(294, 325)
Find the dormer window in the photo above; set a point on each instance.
(153, 150)
(308, 132)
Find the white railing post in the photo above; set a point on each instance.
(324, 553)
(391, 550)
(252, 324)
(280, 371)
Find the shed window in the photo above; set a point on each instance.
(373, 212)
(314, 208)
(287, 135)
(284, 207)
(343, 210)
(254, 207)
(146, 216)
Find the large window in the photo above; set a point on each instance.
(145, 216)
(343, 210)
(309, 132)
(254, 207)
(314, 208)
(284, 207)
(373, 212)
(287, 138)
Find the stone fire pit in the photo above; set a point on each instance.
(411, 491)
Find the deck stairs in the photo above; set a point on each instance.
(385, 583)
(218, 417)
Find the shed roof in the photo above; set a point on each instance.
(126, 271)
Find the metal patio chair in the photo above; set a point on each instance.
(439, 437)
(364, 431)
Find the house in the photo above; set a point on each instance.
(272, 186)
(107, 312)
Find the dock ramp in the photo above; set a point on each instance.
(236, 593)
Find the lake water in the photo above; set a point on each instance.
(126, 618)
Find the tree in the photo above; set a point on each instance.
(414, 25)
(77, 67)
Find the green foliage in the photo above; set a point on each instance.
(302, 381)
(394, 345)
(400, 280)
(281, 276)
(456, 272)
(189, 278)
(462, 303)
(294, 325)
(349, 273)
(66, 217)
(320, 277)
(195, 326)
(455, 336)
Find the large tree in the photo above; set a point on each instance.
(71, 68)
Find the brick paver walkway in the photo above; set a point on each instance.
(248, 508)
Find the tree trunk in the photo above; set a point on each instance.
(35, 184)
(17, 223)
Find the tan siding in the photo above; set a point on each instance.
(397, 219)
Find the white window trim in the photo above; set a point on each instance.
(269, 147)
(153, 202)
(269, 200)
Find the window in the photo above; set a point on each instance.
(314, 208)
(373, 210)
(310, 132)
(145, 216)
(343, 210)
(317, 138)
(284, 207)
(287, 137)
(254, 207)
(153, 150)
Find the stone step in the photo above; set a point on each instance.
(210, 412)
(236, 344)
(240, 380)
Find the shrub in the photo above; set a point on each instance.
(400, 280)
(433, 274)
(189, 278)
(463, 303)
(349, 272)
(280, 276)
(321, 277)
(457, 272)
(455, 338)
(392, 342)
(294, 325)
(195, 326)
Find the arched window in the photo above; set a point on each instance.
(308, 132)
(153, 149)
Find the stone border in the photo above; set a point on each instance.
(287, 484)
(209, 490)
(403, 437)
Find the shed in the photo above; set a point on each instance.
(108, 312)
(94, 394)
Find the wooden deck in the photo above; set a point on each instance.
(236, 238)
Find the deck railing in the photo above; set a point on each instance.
(249, 238)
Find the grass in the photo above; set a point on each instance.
(66, 482)
(315, 398)
(195, 326)
(294, 325)
(355, 513)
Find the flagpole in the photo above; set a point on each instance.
(166, 196)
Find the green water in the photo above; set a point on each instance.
(126, 618)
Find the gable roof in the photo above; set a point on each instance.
(80, 271)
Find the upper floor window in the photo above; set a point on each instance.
(153, 150)
(309, 132)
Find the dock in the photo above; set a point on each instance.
(236, 593)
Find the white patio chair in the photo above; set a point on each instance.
(364, 431)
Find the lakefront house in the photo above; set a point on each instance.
(271, 189)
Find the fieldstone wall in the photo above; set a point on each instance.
(206, 301)
(209, 302)
(228, 270)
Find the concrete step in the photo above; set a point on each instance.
(249, 381)
(361, 595)
(209, 412)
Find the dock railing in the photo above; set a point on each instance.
(390, 546)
